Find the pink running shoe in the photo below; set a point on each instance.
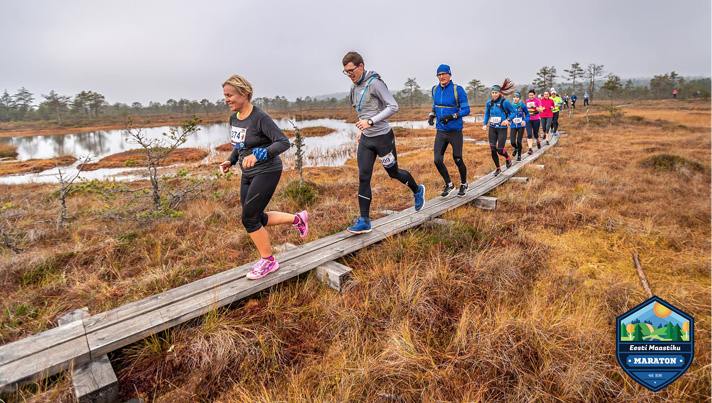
(301, 226)
(262, 268)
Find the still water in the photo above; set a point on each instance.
(330, 150)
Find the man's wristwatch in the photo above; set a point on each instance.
(370, 122)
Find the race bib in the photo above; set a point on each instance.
(517, 121)
(237, 137)
(531, 105)
(495, 119)
(388, 160)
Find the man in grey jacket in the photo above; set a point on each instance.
(374, 104)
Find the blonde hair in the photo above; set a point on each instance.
(241, 85)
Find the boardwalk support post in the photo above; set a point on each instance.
(95, 381)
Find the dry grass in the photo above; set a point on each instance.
(315, 131)
(516, 304)
(137, 158)
(34, 166)
(81, 125)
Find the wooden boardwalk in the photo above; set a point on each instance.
(79, 342)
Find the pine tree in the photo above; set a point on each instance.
(668, 331)
(676, 333)
(638, 333)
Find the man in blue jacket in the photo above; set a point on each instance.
(449, 106)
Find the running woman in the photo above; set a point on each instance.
(449, 106)
(519, 123)
(374, 104)
(585, 98)
(557, 106)
(574, 98)
(498, 116)
(257, 143)
(535, 109)
(547, 114)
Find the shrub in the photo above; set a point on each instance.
(668, 162)
(8, 150)
(301, 195)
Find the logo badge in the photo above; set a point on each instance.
(655, 343)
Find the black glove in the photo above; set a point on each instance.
(448, 118)
(431, 118)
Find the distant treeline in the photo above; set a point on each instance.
(592, 79)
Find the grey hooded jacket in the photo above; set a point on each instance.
(372, 100)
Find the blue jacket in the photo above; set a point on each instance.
(522, 113)
(506, 111)
(444, 104)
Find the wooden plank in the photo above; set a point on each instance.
(334, 274)
(42, 355)
(485, 202)
(131, 322)
(94, 381)
(79, 314)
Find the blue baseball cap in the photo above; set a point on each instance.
(444, 68)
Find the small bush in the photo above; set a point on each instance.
(668, 162)
(8, 150)
(301, 195)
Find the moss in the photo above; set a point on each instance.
(669, 162)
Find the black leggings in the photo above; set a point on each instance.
(555, 123)
(385, 148)
(545, 125)
(255, 193)
(585, 102)
(533, 129)
(497, 141)
(454, 138)
(516, 134)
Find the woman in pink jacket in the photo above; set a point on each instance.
(547, 114)
(535, 109)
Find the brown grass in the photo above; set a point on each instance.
(516, 304)
(50, 128)
(137, 158)
(34, 166)
(315, 131)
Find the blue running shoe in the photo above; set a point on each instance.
(362, 226)
(419, 198)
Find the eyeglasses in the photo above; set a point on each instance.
(349, 71)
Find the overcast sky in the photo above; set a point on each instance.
(155, 50)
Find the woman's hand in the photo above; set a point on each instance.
(225, 167)
(249, 161)
(484, 127)
(363, 124)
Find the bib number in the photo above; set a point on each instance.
(517, 121)
(388, 160)
(495, 119)
(237, 137)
